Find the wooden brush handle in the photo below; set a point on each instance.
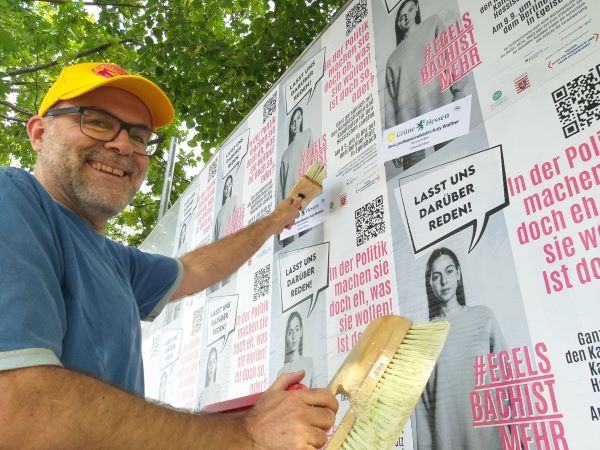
(360, 372)
(306, 189)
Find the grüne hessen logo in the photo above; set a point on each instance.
(421, 125)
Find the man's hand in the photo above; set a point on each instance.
(297, 419)
(52, 407)
(285, 214)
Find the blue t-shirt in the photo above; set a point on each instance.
(68, 295)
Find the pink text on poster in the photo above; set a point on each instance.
(204, 208)
(260, 164)
(451, 55)
(562, 214)
(514, 391)
(349, 75)
(362, 292)
(250, 350)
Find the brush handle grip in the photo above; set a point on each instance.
(306, 189)
(356, 377)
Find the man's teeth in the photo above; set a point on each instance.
(108, 169)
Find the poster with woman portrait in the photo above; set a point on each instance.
(422, 111)
(295, 356)
(230, 209)
(301, 142)
(210, 389)
(297, 320)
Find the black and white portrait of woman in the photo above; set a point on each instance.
(406, 97)
(294, 350)
(443, 415)
(212, 389)
(228, 205)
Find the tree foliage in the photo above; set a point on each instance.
(214, 58)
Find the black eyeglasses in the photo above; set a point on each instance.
(103, 126)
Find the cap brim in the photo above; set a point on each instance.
(158, 104)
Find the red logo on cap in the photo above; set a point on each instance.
(108, 70)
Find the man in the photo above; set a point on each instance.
(70, 358)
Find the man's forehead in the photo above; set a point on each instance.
(118, 102)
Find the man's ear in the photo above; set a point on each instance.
(36, 127)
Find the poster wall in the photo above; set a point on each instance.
(462, 143)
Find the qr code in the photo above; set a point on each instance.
(369, 221)
(197, 321)
(262, 282)
(212, 169)
(356, 15)
(270, 107)
(577, 103)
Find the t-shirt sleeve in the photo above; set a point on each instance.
(154, 279)
(32, 310)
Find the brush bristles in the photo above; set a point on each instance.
(382, 416)
(316, 172)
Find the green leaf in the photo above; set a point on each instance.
(7, 42)
(4, 88)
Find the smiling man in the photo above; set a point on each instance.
(70, 359)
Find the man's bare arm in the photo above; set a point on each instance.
(206, 265)
(51, 407)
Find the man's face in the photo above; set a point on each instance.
(94, 179)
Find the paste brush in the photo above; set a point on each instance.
(384, 376)
(310, 184)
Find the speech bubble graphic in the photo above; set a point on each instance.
(234, 152)
(221, 318)
(304, 81)
(188, 202)
(391, 4)
(170, 346)
(448, 198)
(303, 274)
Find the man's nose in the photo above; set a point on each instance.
(121, 143)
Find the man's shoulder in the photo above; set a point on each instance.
(9, 174)
(17, 183)
(121, 251)
(127, 256)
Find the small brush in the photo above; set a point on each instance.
(310, 184)
(384, 376)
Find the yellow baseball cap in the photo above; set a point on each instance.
(79, 79)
